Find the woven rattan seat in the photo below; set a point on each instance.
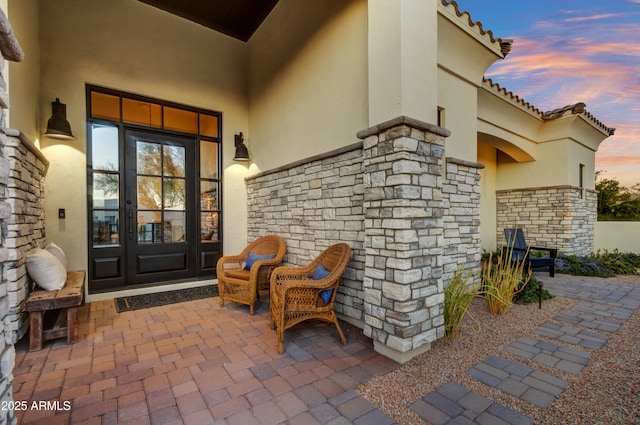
(235, 283)
(296, 296)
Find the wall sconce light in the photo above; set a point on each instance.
(58, 127)
(242, 153)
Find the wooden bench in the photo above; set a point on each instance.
(68, 299)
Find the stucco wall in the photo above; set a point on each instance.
(307, 80)
(487, 157)
(134, 47)
(612, 235)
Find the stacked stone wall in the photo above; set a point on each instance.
(461, 219)
(561, 217)
(24, 229)
(313, 204)
(12, 51)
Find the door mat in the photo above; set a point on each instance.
(136, 302)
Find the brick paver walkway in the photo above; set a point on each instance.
(196, 363)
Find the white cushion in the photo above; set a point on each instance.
(46, 270)
(58, 253)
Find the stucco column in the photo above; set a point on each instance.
(404, 236)
(403, 59)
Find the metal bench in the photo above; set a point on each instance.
(67, 300)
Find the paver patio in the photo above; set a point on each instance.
(197, 363)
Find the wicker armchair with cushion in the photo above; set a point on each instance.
(304, 293)
(240, 277)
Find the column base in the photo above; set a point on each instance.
(400, 357)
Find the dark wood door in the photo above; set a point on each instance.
(160, 233)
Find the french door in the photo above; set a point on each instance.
(161, 233)
(153, 184)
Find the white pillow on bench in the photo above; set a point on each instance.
(46, 270)
(58, 253)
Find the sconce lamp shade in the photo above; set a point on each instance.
(242, 153)
(58, 127)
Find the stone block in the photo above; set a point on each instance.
(396, 292)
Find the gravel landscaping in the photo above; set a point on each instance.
(606, 391)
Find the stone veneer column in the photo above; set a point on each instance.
(404, 236)
(12, 51)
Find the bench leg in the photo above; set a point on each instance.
(72, 325)
(35, 334)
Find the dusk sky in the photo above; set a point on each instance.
(569, 51)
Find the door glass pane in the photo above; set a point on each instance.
(208, 160)
(174, 194)
(106, 190)
(149, 227)
(209, 227)
(180, 120)
(105, 106)
(139, 112)
(209, 195)
(149, 193)
(208, 125)
(173, 161)
(174, 226)
(149, 158)
(104, 147)
(105, 228)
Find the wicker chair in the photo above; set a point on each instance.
(302, 293)
(241, 277)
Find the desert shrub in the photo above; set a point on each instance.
(603, 264)
(501, 280)
(458, 295)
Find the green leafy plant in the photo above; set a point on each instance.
(501, 280)
(602, 263)
(458, 295)
(528, 293)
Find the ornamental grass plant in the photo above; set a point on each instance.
(501, 280)
(458, 295)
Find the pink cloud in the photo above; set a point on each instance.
(593, 17)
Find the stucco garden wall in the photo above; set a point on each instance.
(612, 235)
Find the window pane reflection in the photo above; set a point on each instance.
(106, 190)
(149, 193)
(149, 227)
(173, 161)
(174, 226)
(208, 160)
(209, 227)
(209, 195)
(104, 148)
(174, 194)
(148, 158)
(105, 228)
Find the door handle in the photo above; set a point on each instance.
(130, 224)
